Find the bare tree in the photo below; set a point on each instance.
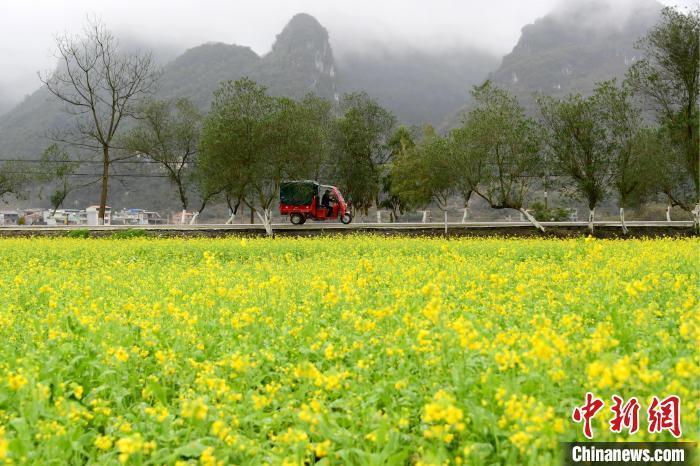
(101, 87)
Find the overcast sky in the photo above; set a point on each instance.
(27, 26)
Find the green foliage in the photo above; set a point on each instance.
(154, 351)
(629, 142)
(251, 141)
(504, 144)
(360, 148)
(577, 145)
(168, 133)
(57, 168)
(14, 179)
(669, 79)
(80, 233)
(400, 142)
(424, 172)
(602, 144)
(551, 214)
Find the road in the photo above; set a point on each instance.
(332, 226)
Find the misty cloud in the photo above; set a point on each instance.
(27, 28)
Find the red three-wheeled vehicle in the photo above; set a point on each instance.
(302, 200)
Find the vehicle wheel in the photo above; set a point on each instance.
(346, 218)
(297, 219)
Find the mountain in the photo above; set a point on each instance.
(572, 48)
(301, 61)
(418, 86)
(568, 50)
(5, 104)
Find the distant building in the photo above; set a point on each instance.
(92, 215)
(136, 217)
(9, 217)
(31, 217)
(65, 217)
(182, 218)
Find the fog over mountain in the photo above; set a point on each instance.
(565, 50)
(27, 28)
(571, 49)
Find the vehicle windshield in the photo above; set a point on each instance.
(338, 195)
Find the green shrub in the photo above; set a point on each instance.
(82, 233)
(549, 215)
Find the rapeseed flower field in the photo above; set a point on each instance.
(352, 350)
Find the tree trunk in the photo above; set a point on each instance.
(266, 218)
(668, 213)
(425, 216)
(465, 215)
(622, 220)
(204, 203)
(183, 196)
(182, 217)
(546, 198)
(252, 215)
(591, 219)
(445, 212)
(194, 218)
(232, 210)
(379, 216)
(105, 182)
(532, 219)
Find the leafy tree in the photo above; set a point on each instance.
(168, 133)
(504, 144)
(577, 141)
(400, 142)
(57, 166)
(669, 79)
(318, 113)
(468, 162)
(360, 138)
(252, 141)
(425, 173)
(101, 87)
(232, 139)
(629, 143)
(14, 178)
